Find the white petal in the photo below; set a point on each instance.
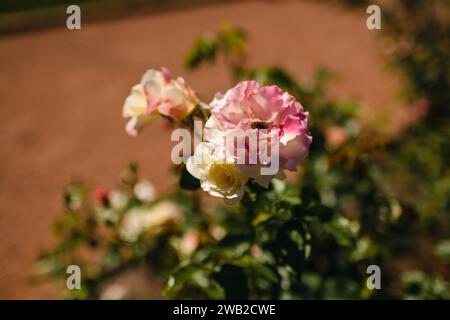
(136, 103)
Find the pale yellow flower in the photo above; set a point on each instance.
(217, 177)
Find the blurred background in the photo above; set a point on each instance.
(61, 93)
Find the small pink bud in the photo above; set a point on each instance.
(335, 136)
(100, 195)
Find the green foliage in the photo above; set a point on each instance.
(90, 235)
(418, 285)
(228, 41)
(418, 35)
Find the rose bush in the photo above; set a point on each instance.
(310, 236)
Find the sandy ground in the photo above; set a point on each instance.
(61, 94)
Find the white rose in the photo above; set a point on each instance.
(217, 177)
(118, 199)
(144, 191)
(140, 220)
(135, 108)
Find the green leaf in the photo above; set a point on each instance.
(179, 277)
(204, 50)
(340, 228)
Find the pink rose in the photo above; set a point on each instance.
(171, 97)
(274, 114)
(157, 92)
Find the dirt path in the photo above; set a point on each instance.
(61, 93)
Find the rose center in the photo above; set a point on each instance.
(222, 175)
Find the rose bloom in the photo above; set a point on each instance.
(248, 106)
(144, 191)
(100, 195)
(152, 220)
(335, 136)
(157, 93)
(217, 177)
